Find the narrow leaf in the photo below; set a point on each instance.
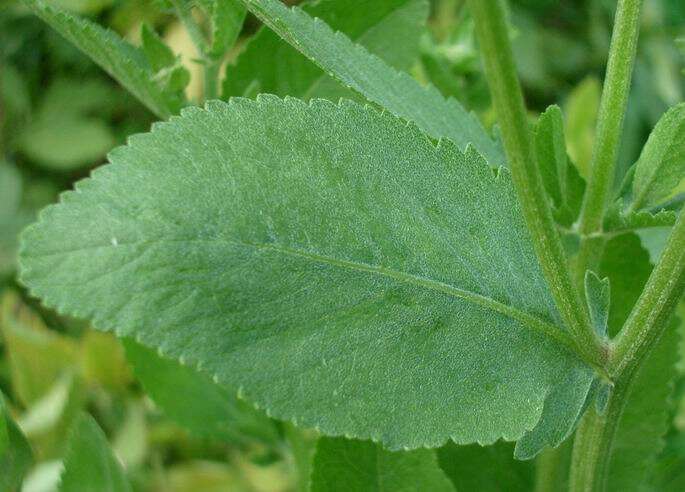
(194, 401)
(15, 452)
(661, 166)
(227, 17)
(581, 111)
(367, 74)
(389, 29)
(618, 221)
(343, 465)
(122, 61)
(89, 464)
(295, 252)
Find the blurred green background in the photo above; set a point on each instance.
(59, 116)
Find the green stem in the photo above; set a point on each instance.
(609, 127)
(211, 79)
(550, 465)
(497, 56)
(643, 329)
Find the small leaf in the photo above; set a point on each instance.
(122, 61)
(227, 17)
(158, 54)
(89, 463)
(194, 401)
(343, 465)
(486, 468)
(582, 108)
(15, 452)
(598, 298)
(367, 74)
(661, 166)
(618, 221)
(254, 240)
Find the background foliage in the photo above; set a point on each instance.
(173, 428)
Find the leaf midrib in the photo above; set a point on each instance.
(527, 320)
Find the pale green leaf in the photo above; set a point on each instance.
(122, 61)
(302, 446)
(485, 468)
(16, 456)
(367, 74)
(389, 29)
(89, 465)
(227, 18)
(598, 299)
(330, 261)
(661, 166)
(195, 401)
(343, 465)
(581, 109)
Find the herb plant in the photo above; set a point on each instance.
(336, 253)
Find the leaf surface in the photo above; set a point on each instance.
(389, 29)
(367, 74)
(89, 464)
(16, 456)
(124, 62)
(343, 465)
(661, 166)
(330, 262)
(195, 401)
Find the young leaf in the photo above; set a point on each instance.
(227, 17)
(485, 469)
(122, 61)
(618, 221)
(89, 463)
(661, 166)
(367, 74)
(169, 71)
(330, 261)
(343, 465)
(598, 298)
(15, 452)
(389, 29)
(561, 180)
(193, 400)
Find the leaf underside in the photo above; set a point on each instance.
(329, 261)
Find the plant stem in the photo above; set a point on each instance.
(609, 128)
(643, 329)
(550, 465)
(493, 37)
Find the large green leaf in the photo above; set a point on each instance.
(15, 452)
(330, 261)
(367, 74)
(89, 464)
(485, 468)
(661, 166)
(343, 465)
(390, 29)
(194, 400)
(124, 62)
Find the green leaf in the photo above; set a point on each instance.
(389, 29)
(564, 185)
(367, 74)
(626, 263)
(598, 298)
(15, 452)
(645, 419)
(169, 71)
(194, 401)
(303, 446)
(661, 166)
(581, 112)
(122, 61)
(618, 221)
(485, 469)
(330, 261)
(89, 464)
(37, 356)
(227, 17)
(343, 465)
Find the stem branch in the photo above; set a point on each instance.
(493, 37)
